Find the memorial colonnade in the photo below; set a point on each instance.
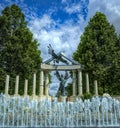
(44, 81)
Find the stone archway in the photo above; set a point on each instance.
(45, 69)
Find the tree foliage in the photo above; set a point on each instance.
(98, 51)
(19, 54)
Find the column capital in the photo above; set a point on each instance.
(79, 69)
(46, 70)
(73, 71)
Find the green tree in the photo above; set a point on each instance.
(19, 54)
(97, 50)
(114, 72)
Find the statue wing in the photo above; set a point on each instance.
(51, 52)
(63, 60)
(50, 49)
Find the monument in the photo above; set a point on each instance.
(64, 64)
(57, 62)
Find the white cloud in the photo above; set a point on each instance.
(40, 23)
(111, 8)
(73, 8)
(64, 38)
(29, 12)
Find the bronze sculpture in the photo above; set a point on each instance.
(63, 80)
(56, 57)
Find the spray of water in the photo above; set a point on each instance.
(23, 112)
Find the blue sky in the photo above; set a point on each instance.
(62, 22)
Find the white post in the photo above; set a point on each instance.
(46, 84)
(96, 87)
(25, 87)
(34, 85)
(80, 82)
(17, 85)
(7, 85)
(87, 83)
(74, 83)
(41, 83)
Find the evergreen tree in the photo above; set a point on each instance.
(114, 72)
(97, 50)
(19, 54)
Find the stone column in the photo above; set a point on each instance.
(7, 85)
(25, 87)
(74, 82)
(46, 83)
(87, 83)
(96, 87)
(34, 85)
(80, 82)
(41, 83)
(16, 85)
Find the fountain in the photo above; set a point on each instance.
(23, 112)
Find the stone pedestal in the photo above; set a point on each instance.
(43, 97)
(48, 97)
(73, 98)
(34, 97)
(63, 98)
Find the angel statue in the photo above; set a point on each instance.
(63, 79)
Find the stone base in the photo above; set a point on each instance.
(73, 98)
(43, 97)
(16, 95)
(48, 97)
(34, 97)
(63, 98)
(7, 95)
(79, 97)
(24, 96)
